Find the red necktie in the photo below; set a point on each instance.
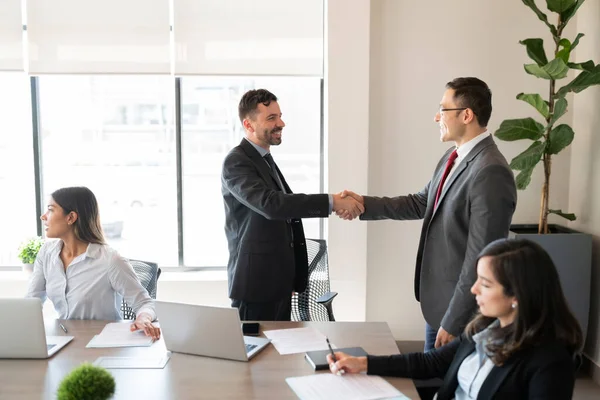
(449, 165)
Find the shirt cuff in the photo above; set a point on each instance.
(148, 310)
(330, 203)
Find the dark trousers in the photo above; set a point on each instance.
(428, 387)
(269, 311)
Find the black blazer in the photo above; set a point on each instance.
(543, 372)
(267, 249)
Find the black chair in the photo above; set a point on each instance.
(147, 273)
(314, 304)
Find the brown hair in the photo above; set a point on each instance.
(82, 201)
(526, 271)
(475, 94)
(250, 101)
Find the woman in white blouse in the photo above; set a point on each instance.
(82, 276)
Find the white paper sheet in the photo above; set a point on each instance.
(118, 334)
(297, 340)
(157, 362)
(348, 387)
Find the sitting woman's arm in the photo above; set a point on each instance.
(37, 281)
(124, 280)
(553, 377)
(433, 364)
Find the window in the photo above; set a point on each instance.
(116, 135)
(17, 179)
(211, 127)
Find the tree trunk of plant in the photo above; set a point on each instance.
(543, 225)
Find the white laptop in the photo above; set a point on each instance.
(23, 334)
(206, 331)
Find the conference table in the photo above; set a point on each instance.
(188, 376)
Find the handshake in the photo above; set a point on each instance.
(348, 205)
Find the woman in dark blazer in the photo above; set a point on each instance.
(521, 345)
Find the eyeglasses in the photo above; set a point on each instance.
(452, 109)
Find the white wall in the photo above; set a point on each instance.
(416, 47)
(584, 193)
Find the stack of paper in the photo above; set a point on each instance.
(297, 340)
(347, 387)
(118, 334)
(157, 362)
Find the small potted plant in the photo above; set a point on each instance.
(28, 251)
(87, 382)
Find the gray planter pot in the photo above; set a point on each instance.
(571, 252)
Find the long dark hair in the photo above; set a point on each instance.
(82, 201)
(526, 271)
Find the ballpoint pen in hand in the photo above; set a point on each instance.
(63, 328)
(341, 371)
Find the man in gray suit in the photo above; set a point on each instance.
(267, 250)
(468, 203)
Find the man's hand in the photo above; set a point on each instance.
(443, 338)
(143, 321)
(347, 205)
(346, 214)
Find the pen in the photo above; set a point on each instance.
(63, 328)
(341, 371)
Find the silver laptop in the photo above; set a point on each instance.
(206, 331)
(23, 334)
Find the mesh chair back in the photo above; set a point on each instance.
(147, 273)
(304, 305)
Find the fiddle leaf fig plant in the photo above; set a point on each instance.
(548, 137)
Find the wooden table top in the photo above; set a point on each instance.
(188, 376)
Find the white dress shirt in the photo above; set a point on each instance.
(463, 151)
(474, 369)
(92, 286)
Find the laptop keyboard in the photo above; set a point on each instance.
(50, 346)
(250, 347)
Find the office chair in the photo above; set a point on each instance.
(147, 273)
(314, 304)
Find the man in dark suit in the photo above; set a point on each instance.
(468, 203)
(267, 249)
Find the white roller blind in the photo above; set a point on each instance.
(107, 36)
(241, 37)
(11, 36)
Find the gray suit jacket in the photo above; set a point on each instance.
(475, 208)
(267, 250)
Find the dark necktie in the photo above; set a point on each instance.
(449, 165)
(269, 158)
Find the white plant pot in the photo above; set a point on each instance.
(28, 268)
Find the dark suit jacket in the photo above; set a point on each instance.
(267, 250)
(545, 372)
(474, 209)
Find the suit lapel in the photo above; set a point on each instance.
(451, 380)
(493, 381)
(266, 172)
(460, 169)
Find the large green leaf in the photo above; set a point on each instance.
(555, 69)
(560, 137)
(566, 16)
(529, 158)
(559, 6)
(531, 4)
(584, 66)
(536, 101)
(582, 81)
(560, 108)
(517, 129)
(523, 178)
(569, 216)
(535, 50)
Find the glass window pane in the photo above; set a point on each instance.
(116, 135)
(210, 128)
(17, 183)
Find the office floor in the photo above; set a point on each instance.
(585, 387)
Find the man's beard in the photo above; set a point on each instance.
(274, 141)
